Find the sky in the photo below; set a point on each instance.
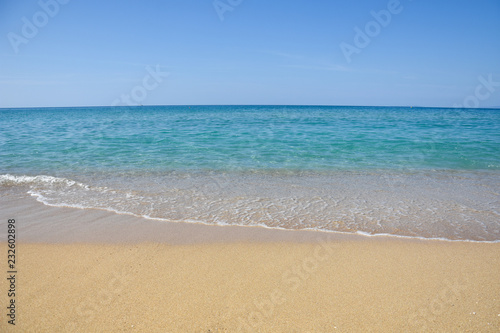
(442, 53)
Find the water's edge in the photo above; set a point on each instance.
(424, 206)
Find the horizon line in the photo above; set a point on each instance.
(294, 105)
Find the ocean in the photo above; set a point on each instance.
(407, 172)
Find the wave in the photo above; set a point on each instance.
(9, 180)
(358, 205)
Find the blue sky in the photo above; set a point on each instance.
(427, 53)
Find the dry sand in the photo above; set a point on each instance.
(94, 271)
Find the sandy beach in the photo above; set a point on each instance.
(91, 270)
(249, 166)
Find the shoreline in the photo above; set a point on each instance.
(31, 206)
(91, 270)
(366, 205)
(41, 223)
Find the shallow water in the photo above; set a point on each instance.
(430, 173)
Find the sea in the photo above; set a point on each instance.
(401, 171)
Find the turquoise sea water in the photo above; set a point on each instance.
(248, 138)
(423, 172)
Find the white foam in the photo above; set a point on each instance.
(8, 179)
(274, 206)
